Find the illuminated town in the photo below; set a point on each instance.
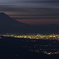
(33, 36)
(48, 44)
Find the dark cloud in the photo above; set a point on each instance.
(31, 12)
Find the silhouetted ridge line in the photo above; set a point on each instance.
(5, 19)
(10, 25)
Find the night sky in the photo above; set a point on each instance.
(32, 11)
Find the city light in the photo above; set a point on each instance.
(34, 36)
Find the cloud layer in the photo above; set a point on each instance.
(31, 9)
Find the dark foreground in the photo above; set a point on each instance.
(13, 48)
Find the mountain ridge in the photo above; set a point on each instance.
(10, 25)
(6, 20)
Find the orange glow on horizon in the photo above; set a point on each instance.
(34, 16)
(39, 21)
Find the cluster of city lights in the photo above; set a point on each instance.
(33, 36)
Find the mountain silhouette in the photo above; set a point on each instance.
(6, 20)
(10, 25)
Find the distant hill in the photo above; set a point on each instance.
(6, 20)
(47, 29)
(10, 25)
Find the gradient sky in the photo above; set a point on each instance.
(32, 11)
